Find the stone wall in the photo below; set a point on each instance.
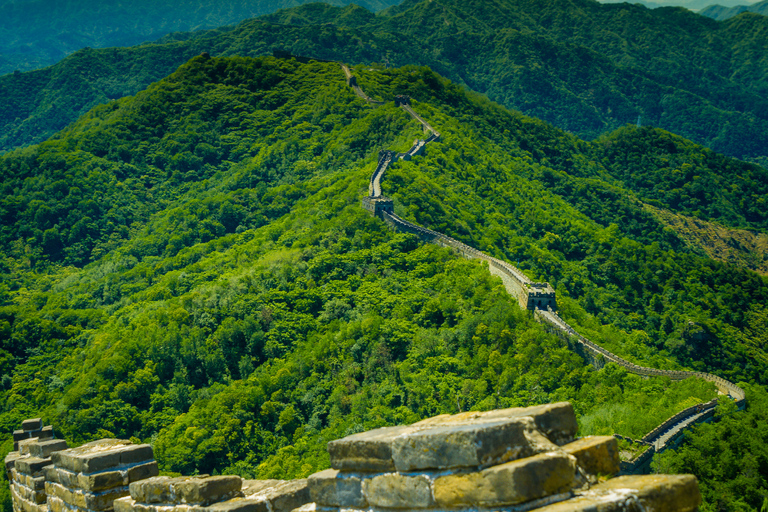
(33, 447)
(214, 494)
(512, 459)
(90, 477)
(540, 298)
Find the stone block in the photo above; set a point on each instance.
(45, 433)
(25, 445)
(10, 461)
(125, 504)
(44, 448)
(141, 472)
(366, 451)
(556, 421)
(679, 493)
(240, 505)
(398, 491)
(597, 455)
(32, 424)
(208, 490)
(96, 482)
(462, 445)
(508, 484)
(102, 455)
(55, 504)
(29, 494)
(92, 501)
(20, 435)
(450, 441)
(253, 487)
(333, 489)
(153, 490)
(288, 495)
(23, 505)
(31, 465)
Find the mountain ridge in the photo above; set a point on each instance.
(590, 81)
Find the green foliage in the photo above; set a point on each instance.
(212, 285)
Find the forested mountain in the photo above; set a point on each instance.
(720, 12)
(586, 67)
(191, 267)
(39, 33)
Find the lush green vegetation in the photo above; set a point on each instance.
(191, 267)
(583, 66)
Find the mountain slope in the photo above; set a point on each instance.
(721, 13)
(239, 308)
(39, 33)
(586, 67)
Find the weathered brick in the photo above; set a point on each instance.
(31, 465)
(208, 490)
(557, 421)
(10, 461)
(32, 424)
(462, 440)
(597, 455)
(100, 481)
(288, 495)
(508, 484)
(398, 491)
(334, 489)
(152, 490)
(240, 505)
(468, 445)
(102, 455)
(679, 493)
(25, 444)
(44, 448)
(366, 451)
(103, 501)
(20, 435)
(125, 504)
(141, 471)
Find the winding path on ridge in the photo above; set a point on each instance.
(663, 436)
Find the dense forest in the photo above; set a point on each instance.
(38, 33)
(191, 267)
(586, 67)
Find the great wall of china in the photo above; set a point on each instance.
(510, 460)
(539, 298)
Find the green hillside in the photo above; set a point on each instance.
(38, 33)
(586, 67)
(191, 267)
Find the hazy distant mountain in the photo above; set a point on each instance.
(693, 5)
(38, 33)
(721, 13)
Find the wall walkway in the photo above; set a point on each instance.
(540, 298)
